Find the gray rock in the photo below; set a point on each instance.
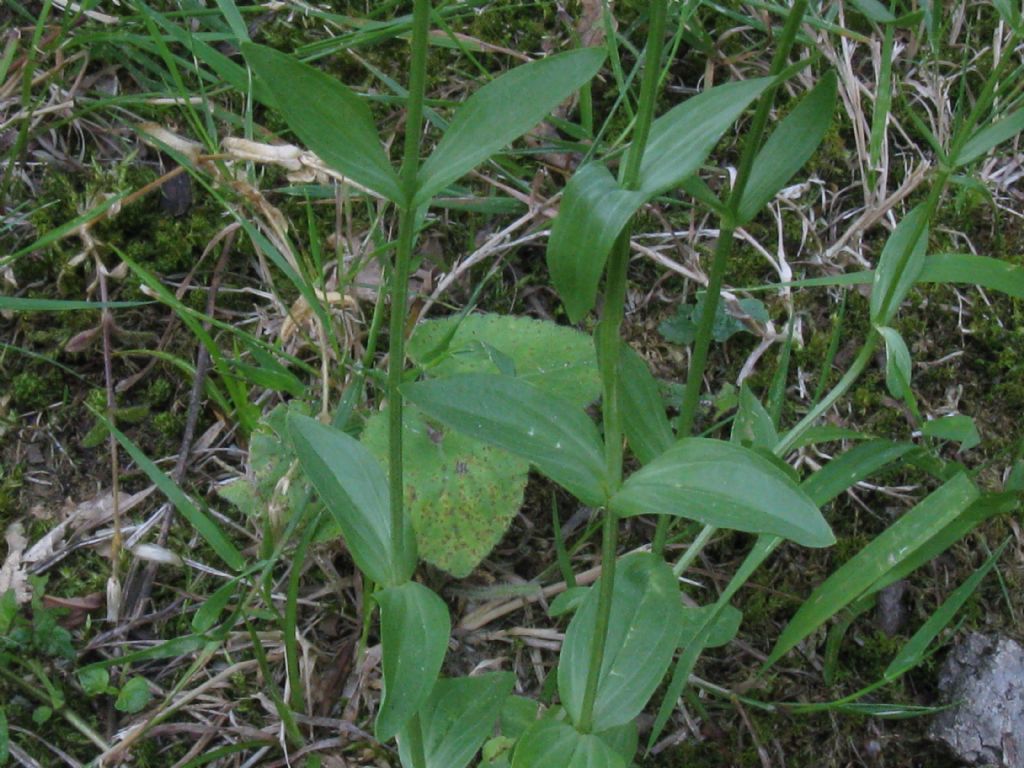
(983, 678)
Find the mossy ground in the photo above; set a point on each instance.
(45, 416)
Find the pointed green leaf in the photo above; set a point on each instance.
(898, 365)
(643, 411)
(899, 265)
(969, 269)
(790, 146)
(354, 488)
(727, 486)
(850, 468)
(874, 11)
(683, 137)
(990, 136)
(858, 574)
(461, 494)
(753, 427)
(554, 744)
(643, 633)
(555, 436)
(502, 111)
(557, 359)
(717, 625)
(329, 118)
(959, 428)
(457, 717)
(595, 209)
(414, 629)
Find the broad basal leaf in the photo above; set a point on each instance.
(643, 633)
(354, 488)
(457, 717)
(553, 435)
(461, 494)
(329, 119)
(881, 555)
(727, 486)
(790, 146)
(551, 743)
(502, 111)
(414, 629)
(555, 358)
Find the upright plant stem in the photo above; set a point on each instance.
(400, 272)
(723, 248)
(608, 341)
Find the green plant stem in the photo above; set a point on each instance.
(695, 548)
(400, 272)
(608, 341)
(723, 248)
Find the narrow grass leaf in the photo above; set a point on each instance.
(502, 111)
(5, 737)
(990, 136)
(24, 304)
(593, 212)
(875, 560)
(874, 11)
(643, 633)
(969, 269)
(457, 718)
(209, 612)
(790, 146)
(959, 428)
(549, 743)
(204, 525)
(727, 486)
(850, 468)
(554, 435)
(914, 651)
(354, 488)
(899, 265)
(414, 629)
(643, 411)
(329, 118)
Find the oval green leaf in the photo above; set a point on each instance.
(727, 486)
(557, 359)
(329, 118)
(457, 717)
(554, 744)
(354, 488)
(414, 629)
(502, 111)
(643, 411)
(643, 633)
(554, 435)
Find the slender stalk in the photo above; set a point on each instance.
(400, 271)
(608, 341)
(723, 248)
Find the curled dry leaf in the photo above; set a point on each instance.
(12, 573)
